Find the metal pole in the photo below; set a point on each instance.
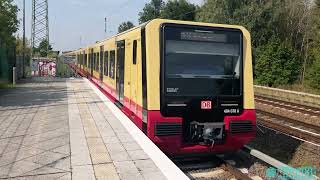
(14, 75)
(33, 28)
(24, 39)
(105, 26)
(47, 26)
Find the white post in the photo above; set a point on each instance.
(14, 75)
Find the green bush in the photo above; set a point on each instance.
(276, 64)
(313, 72)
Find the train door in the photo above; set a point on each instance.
(120, 70)
(134, 77)
(127, 74)
(91, 63)
(101, 63)
(80, 60)
(84, 60)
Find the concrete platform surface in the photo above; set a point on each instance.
(53, 128)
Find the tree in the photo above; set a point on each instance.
(277, 64)
(151, 11)
(125, 26)
(313, 75)
(287, 21)
(19, 46)
(44, 49)
(219, 11)
(8, 21)
(261, 17)
(178, 10)
(313, 69)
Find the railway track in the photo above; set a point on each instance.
(213, 167)
(237, 167)
(299, 129)
(292, 107)
(288, 125)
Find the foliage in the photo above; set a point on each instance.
(151, 11)
(173, 9)
(19, 46)
(43, 50)
(296, 24)
(217, 11)
(259, 17)
(313, 64)
(8, 21)
(179, 10)
(125, 26)
(313, 75)
(8, 26)
(277, 64)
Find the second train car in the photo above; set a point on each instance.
(187, 85)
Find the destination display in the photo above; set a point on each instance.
(203, 36)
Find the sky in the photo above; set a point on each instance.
(78, 23)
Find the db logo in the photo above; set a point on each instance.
(206, 105)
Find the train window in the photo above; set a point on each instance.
(97, 63)
(106, 56)
(81, 59)
(77, 59)
(209, 60)
(134, 58)
(112, 64)
(94, 60)
(85, 60)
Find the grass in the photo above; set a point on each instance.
(299, 88)
(6, 85)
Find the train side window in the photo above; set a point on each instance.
(134, 58)
(112, 64)
(77, 59)
(85, 60)
(97, 64)
(94, 61)
(106, 56)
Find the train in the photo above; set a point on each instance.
(187, 85)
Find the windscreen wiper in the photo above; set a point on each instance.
(232, 83)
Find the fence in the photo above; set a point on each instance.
(8, 60)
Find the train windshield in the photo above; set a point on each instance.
(201, 62)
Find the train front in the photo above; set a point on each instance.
(206, 91)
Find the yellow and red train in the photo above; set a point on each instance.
(187, 85)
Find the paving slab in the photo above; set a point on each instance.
(53, 128)
(34, 132)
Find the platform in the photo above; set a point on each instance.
(65, 129)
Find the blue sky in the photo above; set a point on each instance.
(77, 23)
